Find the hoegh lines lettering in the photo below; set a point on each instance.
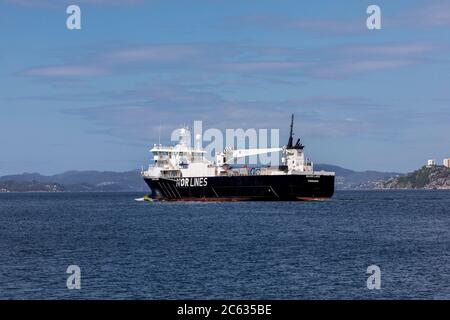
(192, 182)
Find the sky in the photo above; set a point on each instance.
(98, 98)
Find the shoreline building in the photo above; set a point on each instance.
(446, 162)
(431, 163)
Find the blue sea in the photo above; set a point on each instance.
(243, 250)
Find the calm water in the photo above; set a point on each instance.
(313, 250)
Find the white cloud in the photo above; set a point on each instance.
(434, 13)
(34, 3)
(351, 67)
(216, 61)
(156, 52)
(64, 71)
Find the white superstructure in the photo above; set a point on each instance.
(182, 160)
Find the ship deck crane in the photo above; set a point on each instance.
(229, 155)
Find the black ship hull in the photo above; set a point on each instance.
(243, 188)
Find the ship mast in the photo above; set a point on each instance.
(289, 145)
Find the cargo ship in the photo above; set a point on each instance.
(184, 173)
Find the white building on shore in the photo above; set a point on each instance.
(446, 162)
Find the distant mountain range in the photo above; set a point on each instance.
(108, 181)
(347, 179)
(76, 181)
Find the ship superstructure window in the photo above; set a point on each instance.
(197, 156)
(171, 173)
(161, 158)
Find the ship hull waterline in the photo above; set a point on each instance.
(243, 188)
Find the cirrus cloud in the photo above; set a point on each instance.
(220, 60)
(55, 3)
(63, 71)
